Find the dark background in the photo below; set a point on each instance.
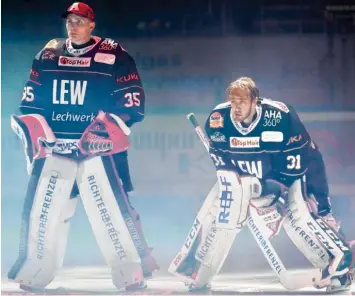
(186, 18)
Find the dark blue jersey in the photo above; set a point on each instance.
(69, 86)
(275, 145)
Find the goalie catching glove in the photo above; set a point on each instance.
(106, 135)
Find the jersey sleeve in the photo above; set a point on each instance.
(291, 162)
(129, 97)
(32, 101)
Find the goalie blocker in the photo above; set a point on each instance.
(48, 208)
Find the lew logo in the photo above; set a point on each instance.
(74, 62)
(249, 142)
(70, 92)
(252, 168)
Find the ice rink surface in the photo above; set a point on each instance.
(96, 281)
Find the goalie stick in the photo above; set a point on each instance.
(291, 281)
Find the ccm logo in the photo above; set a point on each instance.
(333, 237)
(74, 62)
(193, 232)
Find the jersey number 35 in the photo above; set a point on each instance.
(132, 99)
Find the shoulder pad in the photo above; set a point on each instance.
(276, 104)
(222, 106)
(55, 43)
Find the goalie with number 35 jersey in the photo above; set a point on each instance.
(83, 95)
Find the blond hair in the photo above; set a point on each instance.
(245, 83)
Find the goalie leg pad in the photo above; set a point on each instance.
(220, 219)
(63, 229)
(332, 241)
(296, 228)
(129, 214)
(41, 249)
(204, 217)
(108, 223)
(206, 247)
(340, 255)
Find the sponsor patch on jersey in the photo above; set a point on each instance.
(216, 120)
(74, 62)
(247, 142)
(34, 74)
(270, 136)
(108, 44)
(52, 44)
(294, 139)
(126, 78)
(218, 137)
(272, 114)
(48, 55)
(105, 58)
(65, 146)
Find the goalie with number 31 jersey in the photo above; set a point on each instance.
(266, 139)
(270, 143)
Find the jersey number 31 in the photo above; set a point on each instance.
(294, 162)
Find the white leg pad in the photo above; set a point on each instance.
(38, 261)
(63, 230)
(111, 232)
(220, 219)
(298, 231)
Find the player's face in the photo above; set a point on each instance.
(242, 104)
(79, 28)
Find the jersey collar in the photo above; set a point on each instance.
(80, 51)
(246, 130)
